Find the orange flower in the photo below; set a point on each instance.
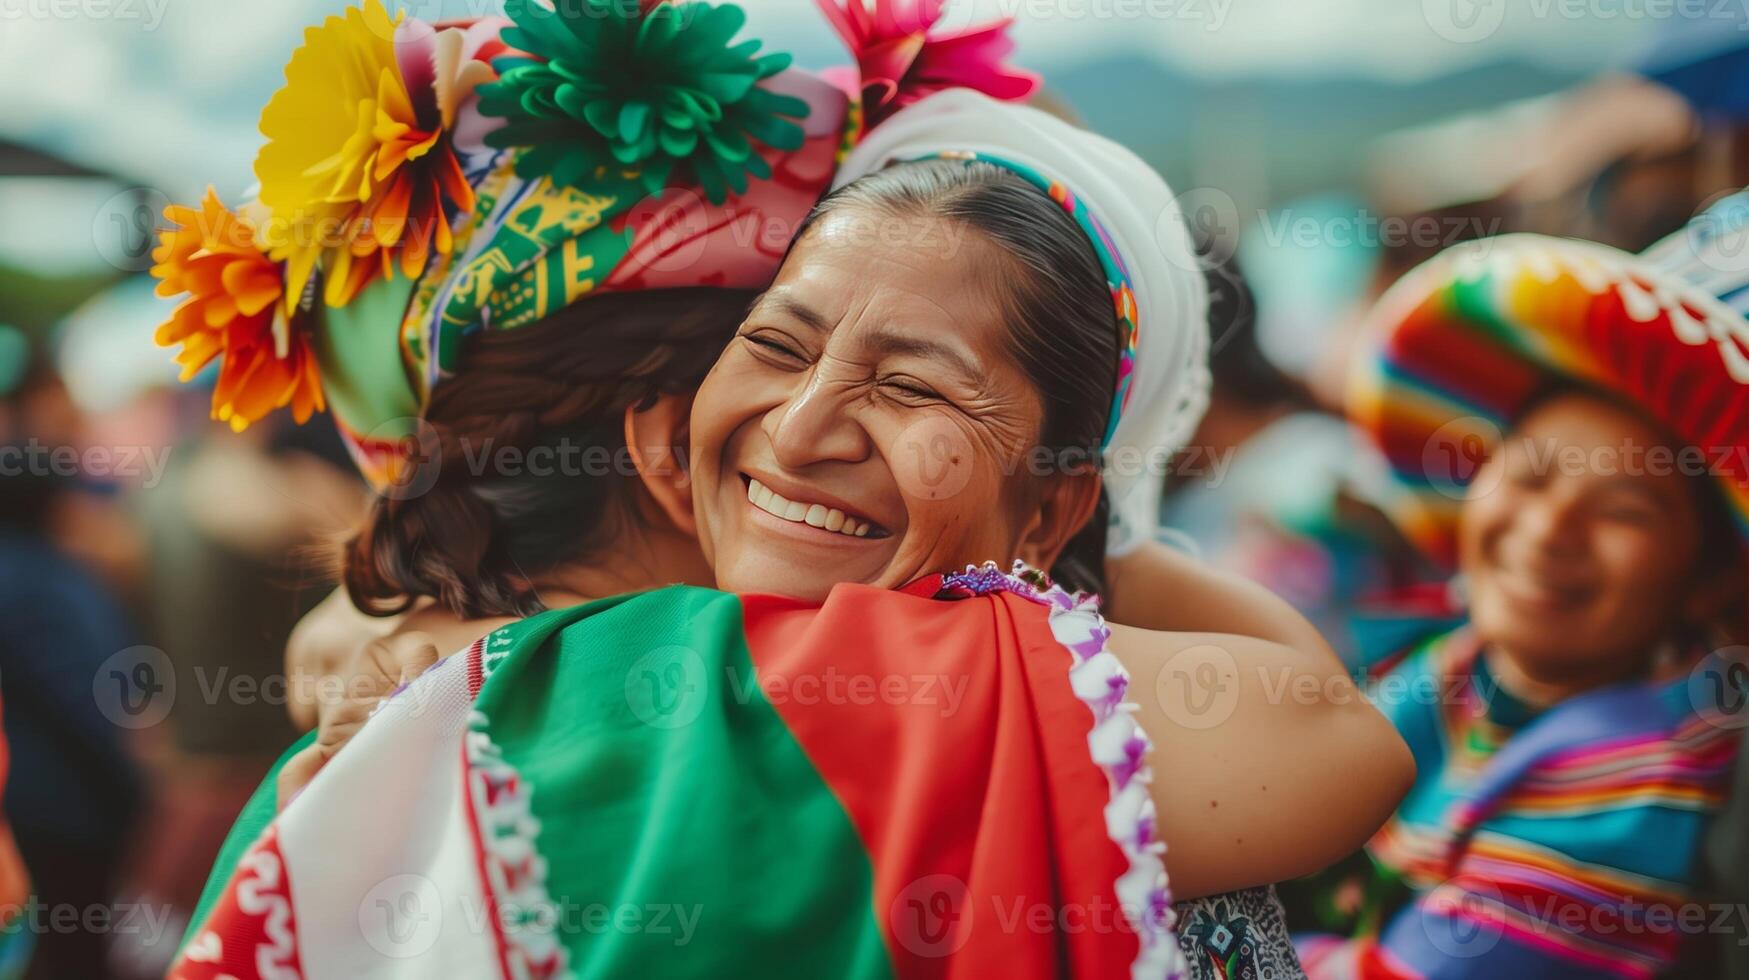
(231, 313)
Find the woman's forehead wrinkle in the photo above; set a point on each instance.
(788, 303)
(884, 341)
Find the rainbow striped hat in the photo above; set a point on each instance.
(1460, 344)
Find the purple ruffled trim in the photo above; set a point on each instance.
(1117, 744)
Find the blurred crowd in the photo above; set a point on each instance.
(149, 592)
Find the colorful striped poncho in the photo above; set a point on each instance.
(1552, 844)
(692, 784)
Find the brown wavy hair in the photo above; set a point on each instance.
(556, 389)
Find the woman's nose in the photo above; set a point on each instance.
(814, 425)
(1554, 524)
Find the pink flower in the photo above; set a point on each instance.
(901, 56)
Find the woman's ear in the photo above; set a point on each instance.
(1066, 506)
(659, 439)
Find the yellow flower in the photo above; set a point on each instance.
(231, 313)
(356, 168)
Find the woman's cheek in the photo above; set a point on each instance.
(1635, 564)
(932, 459)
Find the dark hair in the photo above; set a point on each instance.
(474, 539)
(1237, 365)
(28, 498)
(1063, 329)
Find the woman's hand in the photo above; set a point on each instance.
(375, 671)
(319, 650)
(1268, 763)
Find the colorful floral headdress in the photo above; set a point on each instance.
(422, 181)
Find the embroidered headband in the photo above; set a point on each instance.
(1117, 278)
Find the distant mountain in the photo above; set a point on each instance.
(1275, 137)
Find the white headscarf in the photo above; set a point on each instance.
(1169, 386)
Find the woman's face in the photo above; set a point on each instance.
(867, 423)
(1578, 545)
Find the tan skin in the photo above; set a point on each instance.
(864, 375)
(1579, 560)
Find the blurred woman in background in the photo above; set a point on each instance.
(1573, 420)
(73, 790)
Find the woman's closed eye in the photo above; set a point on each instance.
(911, 390)
(775, 347)
(1628, 507)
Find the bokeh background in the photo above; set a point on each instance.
(152, 564)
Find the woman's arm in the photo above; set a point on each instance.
(1268, 764)
(1157, 587)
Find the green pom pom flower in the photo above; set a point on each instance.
(614, 86)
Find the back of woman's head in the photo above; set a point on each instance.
(523, 462)
(1062, 325)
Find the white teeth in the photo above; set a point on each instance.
(816, 515)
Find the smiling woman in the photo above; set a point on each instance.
(1589, 708)
(901, 371)
(1576, 572)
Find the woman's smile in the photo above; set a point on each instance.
(1534, 591)
(800, 508)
